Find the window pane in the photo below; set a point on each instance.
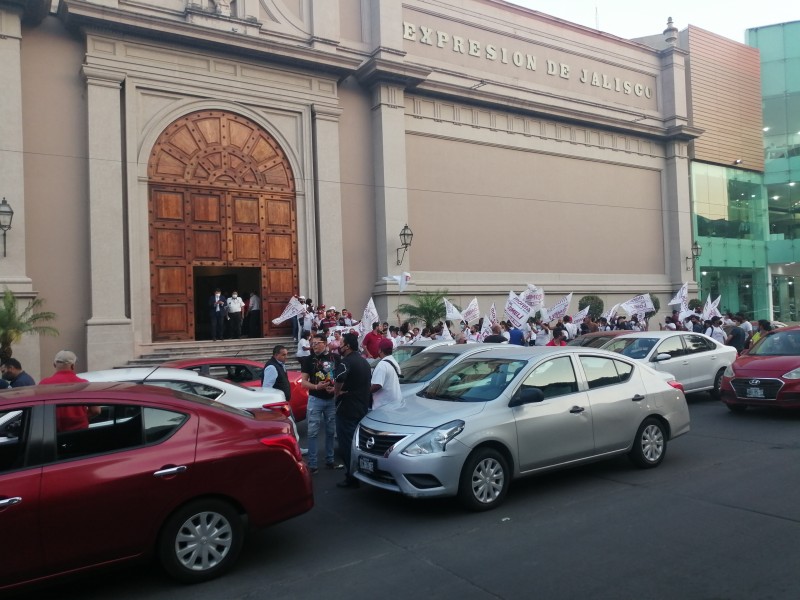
(13, 438)
(160, 424)
(624, 369)
(95, 429)
(554, 377)
(599, 371)
(671, 346)
(695, 344)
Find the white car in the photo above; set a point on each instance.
(694, 359)
(191, 382)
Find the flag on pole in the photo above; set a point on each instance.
(517, 311)
(486, 329)
(451, 312)
(580, 315)
(294, 308)
(559, 309)
(402, 280)
(472, 312)
(682, 296)
(370, 317)
(492, 316)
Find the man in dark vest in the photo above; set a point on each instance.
(275, 371)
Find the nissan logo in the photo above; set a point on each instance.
(754, 382)
(370, 443)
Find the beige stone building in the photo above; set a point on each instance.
(153, 149)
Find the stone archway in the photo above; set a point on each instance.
(222, 195)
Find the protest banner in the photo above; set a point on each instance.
(534, 297)
(493, 315)
(517, 311)
(451, 312)
(558, 310)
(294, 308)
(580, 315)
(472, 312)
(486, 329)
(682, 296)
(402, 280)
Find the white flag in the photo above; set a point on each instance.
(370, 317)
(517, 311)
(681, 296)
(639, 305)
(446, 335)
(292, 309)
(534, 296)
(486, 329)
(451, 312)
(493, 315)
(611, 314)
(707, 311)
(580, 315)
(402, 280)
(472, 312)
(714, 310)
(559, 309)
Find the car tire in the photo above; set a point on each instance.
(716, 391)
(649, 445)
(737, 408)
(201, 541)
(484, 481)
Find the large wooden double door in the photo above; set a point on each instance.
(221, 200)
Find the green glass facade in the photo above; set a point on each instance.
(748, 224)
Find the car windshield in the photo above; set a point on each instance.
(403, 353)
(632, 347)
(780, 343)
(425, 366)
(474, 380)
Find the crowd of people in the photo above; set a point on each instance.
(233, 316)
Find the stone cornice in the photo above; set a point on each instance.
(78, 14)
(382, 70)
(33, 11)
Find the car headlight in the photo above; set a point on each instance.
(435, 440)
(729, 371)
(793, 374)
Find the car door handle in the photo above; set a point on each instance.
(166, 472)
(576, 409)
(637, 398)
(10, 502)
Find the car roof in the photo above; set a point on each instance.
(536, 352)
(468, 348)
(140, 373)
(657, 334)
(87, 389)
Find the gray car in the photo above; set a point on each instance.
(419, 370)
(503, 414)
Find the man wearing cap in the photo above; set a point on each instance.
(385, 383)
(352, 401)
(69, 418)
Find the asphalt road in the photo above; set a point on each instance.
(719, 519)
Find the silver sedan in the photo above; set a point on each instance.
(504, 414)
(694, 359)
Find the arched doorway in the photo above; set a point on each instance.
(222, 213)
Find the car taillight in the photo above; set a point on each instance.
(281, 407)
(676, 384)
(284, 442)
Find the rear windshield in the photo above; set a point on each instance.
(425, 366)
(474, 380)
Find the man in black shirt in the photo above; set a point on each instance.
(353, 382)
(317, 374)
(736, 336)
(496, 337)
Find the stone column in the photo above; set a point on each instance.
(109, 332)
(330, 263)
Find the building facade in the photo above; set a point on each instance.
(156, 149)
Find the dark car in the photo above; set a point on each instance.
(138, 471)
(766, 375)
(247, 373)
(596, 339)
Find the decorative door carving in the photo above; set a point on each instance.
(221, 195)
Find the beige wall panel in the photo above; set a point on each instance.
(358, 206)
(56, 189)
(725, 83)
(350, 21)
(485, 208)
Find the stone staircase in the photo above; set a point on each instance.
(259, 349)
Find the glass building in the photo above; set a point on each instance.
(779, 46)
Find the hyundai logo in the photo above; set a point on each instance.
(754, 382)
(370, 443)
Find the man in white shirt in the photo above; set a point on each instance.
(235, 306)
(386, 378)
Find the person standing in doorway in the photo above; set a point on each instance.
(235, 306)
(216, 305)
(254, 316)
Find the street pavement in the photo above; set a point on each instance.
(718, 520)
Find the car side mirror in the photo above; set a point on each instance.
(526, 395)
(661, 357)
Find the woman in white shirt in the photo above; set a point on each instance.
(304, 346)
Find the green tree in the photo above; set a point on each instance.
(695, 303)
(656, 306)
(425, 306)
(14, 324)
(595, 304)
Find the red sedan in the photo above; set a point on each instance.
(149, 471)
(766, 375)
(246, 372)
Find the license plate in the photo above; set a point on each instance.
(755, 392)
(366, 464)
